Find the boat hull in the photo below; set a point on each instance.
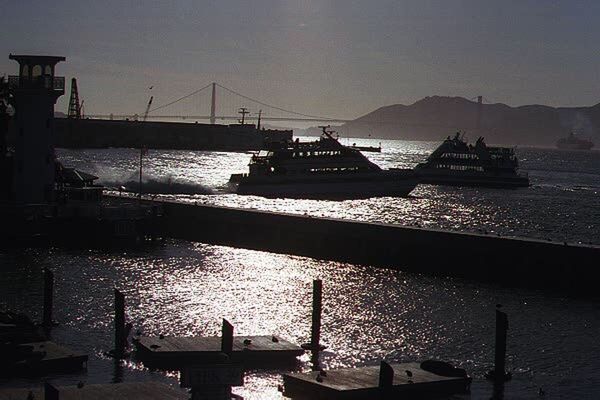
(475, 180)
(349, 186)
(575, 146)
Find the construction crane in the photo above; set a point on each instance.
(74, 107)
(147, 109)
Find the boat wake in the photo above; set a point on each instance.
(167, 185)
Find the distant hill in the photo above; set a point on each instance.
(436, 117)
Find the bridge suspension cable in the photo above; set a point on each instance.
(317, 117)
(179, 99)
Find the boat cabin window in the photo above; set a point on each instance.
(265, 153)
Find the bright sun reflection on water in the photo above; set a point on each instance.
(369, 314)
(186, 288)
(559, 205)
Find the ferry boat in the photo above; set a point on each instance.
(320, 169)
(574, 142)
(455, 162)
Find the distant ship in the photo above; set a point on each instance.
(320, 169)
(573, 142)
(455, 162)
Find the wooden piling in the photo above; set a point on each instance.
(386, 375)
(315, 332)
(226, 337)
(120, 339)
(499, 374)
(50, 392)
(500, 351)
(48, 297)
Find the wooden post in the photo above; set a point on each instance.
(386, 375)
(120, 338)
(315, 332)
(141, 162)
(48, 297)
(50, 392)
(226, 337)
(500, 351)
(499, 374)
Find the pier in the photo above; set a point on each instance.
(169, 352)
(506, 260)
(388, 381)
(45, 357)
(114, 391)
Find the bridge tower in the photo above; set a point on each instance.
(35, 91)
(213, 103)
(74, 107)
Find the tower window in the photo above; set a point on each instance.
(36, 71)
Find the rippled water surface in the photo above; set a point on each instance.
(186, 288)
(560, 205)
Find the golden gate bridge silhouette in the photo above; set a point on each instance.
(197, 100)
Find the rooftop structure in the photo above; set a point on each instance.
(35, 92)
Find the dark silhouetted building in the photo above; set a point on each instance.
(35, 92)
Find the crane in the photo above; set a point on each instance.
(147, 108)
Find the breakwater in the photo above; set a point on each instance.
(100, 133)
(506, 260)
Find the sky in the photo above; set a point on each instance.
(336, 58)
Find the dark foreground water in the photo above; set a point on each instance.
(186, 288)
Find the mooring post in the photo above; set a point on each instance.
(50, 392)
(499, 374)
(315, 333)
(386, 377)
(226, 337)
(500, 353)
(120, 339)
(48, 297)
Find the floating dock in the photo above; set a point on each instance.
(174, 352)
(114, 391)
(46, 357)
(365, 383)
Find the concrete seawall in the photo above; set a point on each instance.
(513, 261)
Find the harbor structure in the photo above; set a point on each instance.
(35, 92)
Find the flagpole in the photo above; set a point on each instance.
(141, 155)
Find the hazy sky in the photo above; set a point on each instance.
(338, 58)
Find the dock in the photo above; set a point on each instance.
(366, 383)
(174, 352)
(114, 391)
(42, 357)
(515, 261)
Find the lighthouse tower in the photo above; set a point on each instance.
(35, 92)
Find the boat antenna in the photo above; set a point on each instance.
(258, 123)
(324, 128)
